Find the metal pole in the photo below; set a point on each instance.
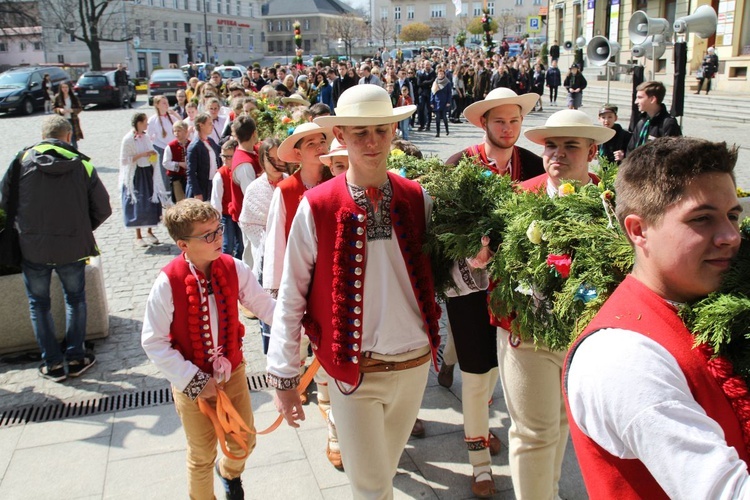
(205, 30)
(607, 69)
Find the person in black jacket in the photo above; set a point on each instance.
(61, 201)
(121, 82)
(200, 166)
(554, 52)
(343, 82)
(575, 82)
(614, 149)
(554, 80)
(425, 79)
(655, 120)
(709, 67)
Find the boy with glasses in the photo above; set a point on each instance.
(192, 333)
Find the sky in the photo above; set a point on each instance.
(358, 4)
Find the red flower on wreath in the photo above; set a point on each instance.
(560, 263)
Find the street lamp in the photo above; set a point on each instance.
(205, 29)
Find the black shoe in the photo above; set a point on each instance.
(78, 366)
(55, 373)
(437, 135)
(420, 129)
(232, 487)
(447, 133)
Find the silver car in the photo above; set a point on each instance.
(166, 82)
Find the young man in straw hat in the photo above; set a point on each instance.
(356, 278)
(500, 115)
(531, 373)
(337, 158)
(653, 415)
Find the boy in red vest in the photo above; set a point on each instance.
(192, 333)
(221, 199)
(245, 169)
(355, 276)
(652, 415)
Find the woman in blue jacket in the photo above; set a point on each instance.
(440, 100)
(203, 160)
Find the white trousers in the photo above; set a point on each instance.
(538, 433)
(374, 423)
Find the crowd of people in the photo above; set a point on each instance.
(311, 234)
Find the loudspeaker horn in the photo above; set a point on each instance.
(653, 48)
(702, 22)
(580, 42)
(568, 45)
(600, 50)
(641, 27)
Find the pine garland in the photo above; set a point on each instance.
(722, 320)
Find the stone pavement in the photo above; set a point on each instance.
(127, 452)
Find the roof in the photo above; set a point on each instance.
(21, 31)
(303, 7)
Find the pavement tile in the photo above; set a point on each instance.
(146, 431)
(289, 479)
(65, 431)
(9, 438)
(160, 475)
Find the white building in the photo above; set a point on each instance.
(21, 46)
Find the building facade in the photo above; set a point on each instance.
(21, 46)
(570, 19)
(314, 17)
(442, 16)
(164, 32)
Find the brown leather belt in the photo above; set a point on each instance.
(371, 365)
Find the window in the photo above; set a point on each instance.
(71, 31)
(307, 45)
(270, 25)
(209, 36)
(270, 46)
(220, 36)
(59, 33)
(206, 5)
(397, 13)
(165, 31)
(307, 24)
(262, 36)
(228, 7)
(477, 9)
(174, 32)
(22, 46)
(239, 9)
(155, 60)
(37, 45)
(398, 29)
(252, 9)
(491, 8)
(383, 12)
(278, 25)
(3, 47)
(519, 3)
(250, 41)
(288, 45)
(288, 25)
(137, 27)
(410, 12)
(218, 6)
(239, 38)
(199, 35)
(163, 3)
(187, 5)
(229, 37)
(152, 30)
(537, 2)
(187, 27)
(279, 46)
(437, 10)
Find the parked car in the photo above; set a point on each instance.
(233, 72)
(166, 82)
(207, 68)
(408, 53)
(535, 43)
(21, 88)
(96, 87)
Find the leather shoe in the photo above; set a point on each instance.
(495, 445)
(418, 431)
(483, 489)
(334, 457)
(445, 375)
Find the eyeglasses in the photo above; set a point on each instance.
(208, 237)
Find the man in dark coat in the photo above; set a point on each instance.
(425, 79)
(343, 82)
(655, 120)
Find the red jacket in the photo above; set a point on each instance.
(633, 306)
(335, 302)
(190, 331)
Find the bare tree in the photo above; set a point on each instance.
(18, 14)
(347, 29)
(441, 28)
(90, 21)
(383, 30)
(505, 21)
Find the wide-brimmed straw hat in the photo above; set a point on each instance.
(337, 149)
(569, 123)
(295, 99)
(286, 149)
(364, 105)
(499, 97)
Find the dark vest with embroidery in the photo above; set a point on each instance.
(635, 307)
(292, 191)
(335, 298)
(190, 331)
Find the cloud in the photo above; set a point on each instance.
(358, 4)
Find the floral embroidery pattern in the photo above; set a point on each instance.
(379, 224)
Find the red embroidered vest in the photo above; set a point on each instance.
(335, 301)
(178, 154)
(292, 191)
(240, 157)
(635, 307)
(190, 331)
(226, 180)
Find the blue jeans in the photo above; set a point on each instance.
(232, 244)
(37, 277)
(404, 126)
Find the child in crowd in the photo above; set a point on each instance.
(191, 332)
(221, 196)
(404, 100)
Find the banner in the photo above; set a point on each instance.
(459, 7)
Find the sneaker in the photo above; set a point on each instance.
(232, 487)
(151, 239)
(55, 373)
(78, 366)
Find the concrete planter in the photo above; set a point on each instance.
(16, 332)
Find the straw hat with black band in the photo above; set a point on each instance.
(569, 123)
(286, 149)
(364, 105)
(499, 97)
